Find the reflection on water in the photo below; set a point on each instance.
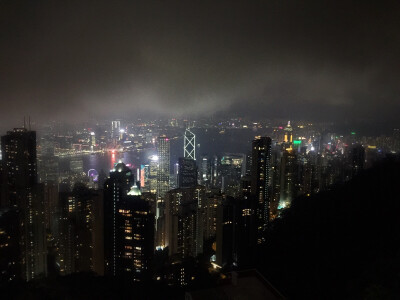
(211, 142)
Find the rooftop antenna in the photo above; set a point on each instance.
(24, 122)
(29, 123)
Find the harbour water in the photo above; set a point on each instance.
(208, 141)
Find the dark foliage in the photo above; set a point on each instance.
(87, 286)
(341, 244)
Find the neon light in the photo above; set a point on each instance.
(295, 142)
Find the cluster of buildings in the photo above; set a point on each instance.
(159, 220)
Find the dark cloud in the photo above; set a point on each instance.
(74, 60)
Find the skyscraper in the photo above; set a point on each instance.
(288, 178)
(288, 139)
(22, 192)
(163, 171)
(115, 129)
(187, 173)
(260, 183)
(163, 186)
(77, 229)
(189, 146)
(184, 221)
(128, 227)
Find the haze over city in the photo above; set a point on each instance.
(320, 60)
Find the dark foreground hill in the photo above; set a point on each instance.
(88, 286)
(341, 244)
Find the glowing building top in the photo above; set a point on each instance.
(189, 147)
(288, 139)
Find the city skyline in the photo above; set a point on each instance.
(199, 149)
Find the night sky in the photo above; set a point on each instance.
(318, 60)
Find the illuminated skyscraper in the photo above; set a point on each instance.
(288, 139)
(187, 173)
(288, 169)
(260, 183)
(115, 129)
(153, 172)
(163, 171)
(189, 146)
(128, 227)
(22, 192)
(77, 229)
(92, 140)
(184, 221)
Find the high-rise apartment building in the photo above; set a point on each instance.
(22, 192)
(128, 227)
(189, 146)
(185, 221)
(288, 178)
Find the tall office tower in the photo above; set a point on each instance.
(77, 229)
(189, 146)
(187, 173)
(205, 170)
(115, 129)
(144, 178)
(247, 164)
(153, 172)
(174, 179)
(261, 159)
(19, 164)
(288, 139)
(184, 221)
(396, 140)
(215, 172)
(288, 174)
(22, 191)
(50, 204)
(163, 171)
(128, 227)
(246, 222)
(76, 165)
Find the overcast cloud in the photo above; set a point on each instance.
(332, 60)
